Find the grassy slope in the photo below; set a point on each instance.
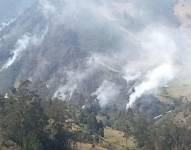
(117, 138)
(84, 146)
(113, 139)
(180, 88)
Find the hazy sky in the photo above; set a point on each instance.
(10, 8)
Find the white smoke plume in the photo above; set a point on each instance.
(130, 38)
(155, 78)
(74, 78)
(21, 46)
(47, 7)
(102, 61)
(107, 92)
(36, 40)
(6, 24)
(139, 38)
(65, 92)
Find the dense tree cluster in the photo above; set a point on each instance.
(26, 123)
(88, 116)
(30, 122)
(150, 134)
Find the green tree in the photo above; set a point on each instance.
(100, 128)
(92, 123)
(24, 121)
(22, 116)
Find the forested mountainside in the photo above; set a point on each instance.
(95, 75)
(76, 49)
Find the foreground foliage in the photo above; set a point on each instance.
(25, 122)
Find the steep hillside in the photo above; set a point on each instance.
(81, 50)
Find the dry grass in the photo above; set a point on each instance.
(117, 138)
(113, 140)
(180, 89)
(85, 146)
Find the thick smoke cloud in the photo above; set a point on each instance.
(158, 77)
(147, 41)
(107, 92)
(141, 40)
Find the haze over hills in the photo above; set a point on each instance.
(95, 74)
(91, 48)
